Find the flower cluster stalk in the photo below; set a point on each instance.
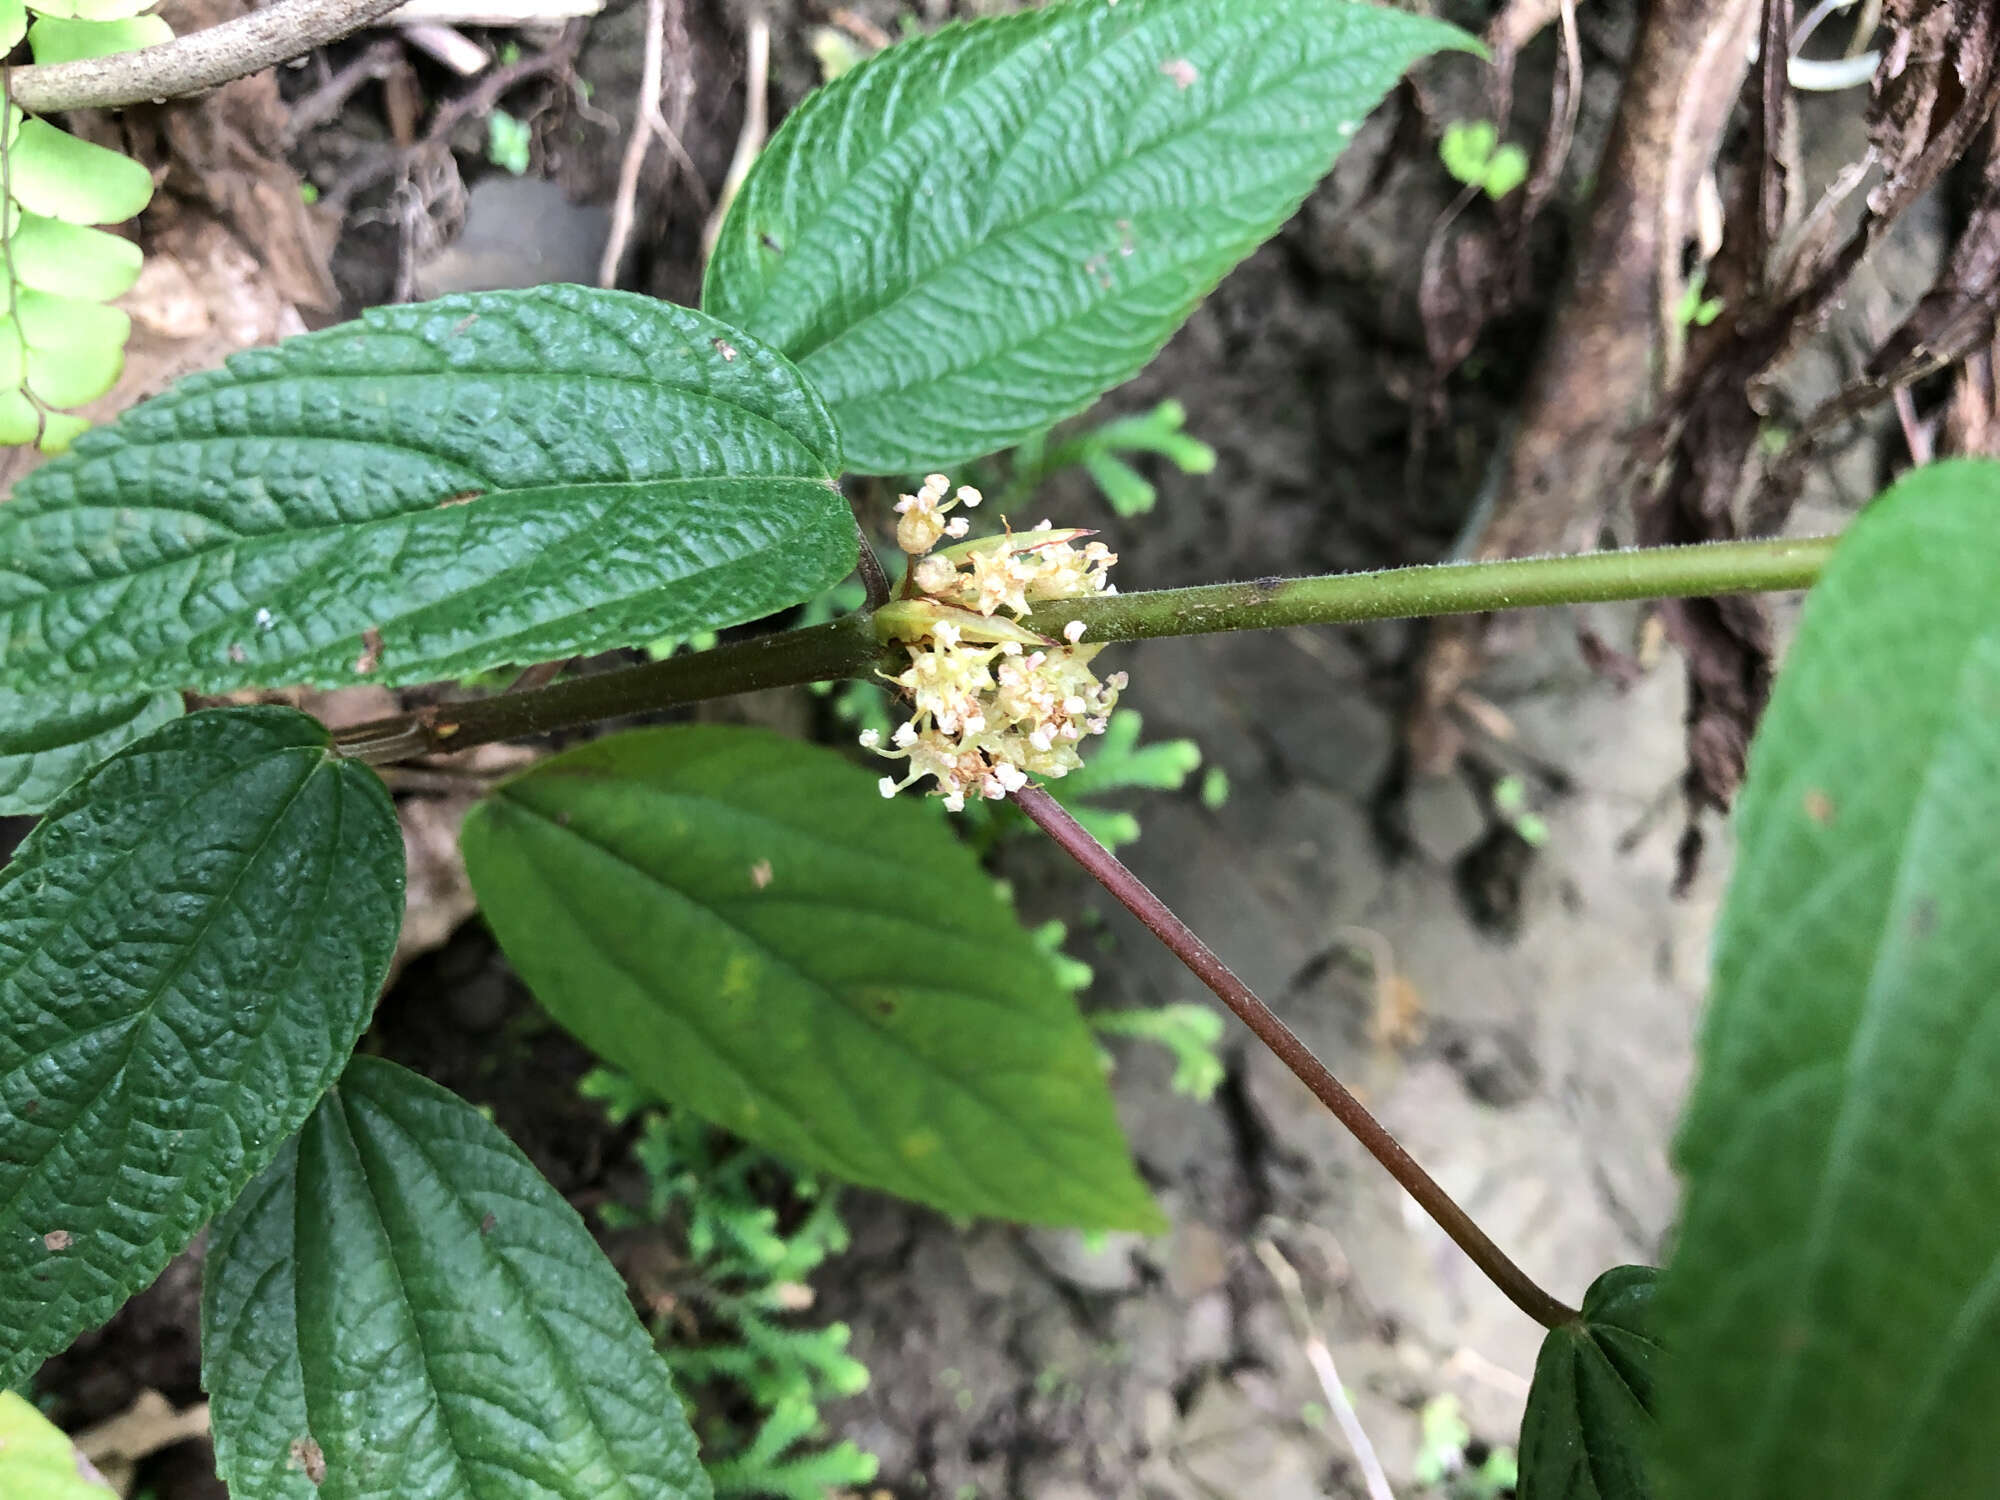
(1050, 816)
(851, 647)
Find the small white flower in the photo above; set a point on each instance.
(987, 710)
(870, 738)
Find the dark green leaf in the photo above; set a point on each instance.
(47, 742)
(1832, 1306)
(975, 234)
(1589, 1423)
(434, 490)
(190, 943)
(402, 1308)
(743, 924)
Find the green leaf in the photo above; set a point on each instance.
(47, 742)
(1466, 149)
(748, 928)
(974, 234)
(403, 1308)
(433, 491)
(1832, 1307)
(1589, 1423)
(56, 40)
(91, 10)
(13, 23)
(75, 349)
(53, 173)
(37, 1462)
(190, 943)
(69, 260)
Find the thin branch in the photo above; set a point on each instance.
(756, 124)
(647, 123)
(849, 648)
(1132, 893)
(200, 60)
(1320, 1357)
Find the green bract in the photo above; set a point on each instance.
(744, 925)
(1831, 1309)
(190, 943)
(402, 1308)
(976, 234)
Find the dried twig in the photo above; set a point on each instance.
(200, 60)
(756, 124)
(1320, 1357)
(647, 124)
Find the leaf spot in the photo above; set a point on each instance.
(486, 1224)
(57, 1240)
(463, 497)
(306, 1455)
(237, 654)
(371, 652)
(1181, 71)
(464, 323)
(265, 620)
(1819, 807)
(769, 243)
(760, 874)
(726, 349)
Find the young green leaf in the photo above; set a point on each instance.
(13, 23)
(59, 40)
(51, 172)
(1831, 1310)
(74, 349)
(744, 924)
(92, 10)
(435, 490)
(46, 742)
(190, 943)
(1589, 1423)
(974, 234)
(403, 1308)
(37, 1462)
(68, 260)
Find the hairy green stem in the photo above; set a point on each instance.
(849, 647)
(1161, 920)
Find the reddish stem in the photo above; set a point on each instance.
(1051, 817)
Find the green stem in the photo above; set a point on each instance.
(849, 647)
(1452, 589)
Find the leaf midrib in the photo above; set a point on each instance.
(525, 1302)
(31, 1170)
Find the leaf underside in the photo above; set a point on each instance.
(1833, 1305)
(403, 1308)
(190, 943)
(434, 490)
(975, 234)
(748, 928)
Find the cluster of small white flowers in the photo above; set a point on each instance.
(992, 700)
